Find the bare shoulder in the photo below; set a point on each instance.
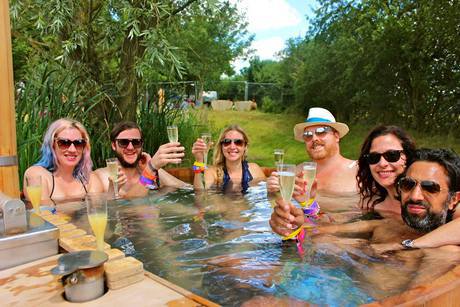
(95, 183)
(102, 173)
(256, 171)
(36, 170)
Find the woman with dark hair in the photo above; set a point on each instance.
(384, 155)
(230, 169)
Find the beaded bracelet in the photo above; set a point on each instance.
(198, 167)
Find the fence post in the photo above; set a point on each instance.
(9, 179)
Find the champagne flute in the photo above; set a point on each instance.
(279, 156)
(173, 133)
(34, 191)
(206, 137)
(309, 173)
(96, 205)
(287, 179)
(112, 166)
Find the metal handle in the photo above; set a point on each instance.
(8, 161)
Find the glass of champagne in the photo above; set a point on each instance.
(34, 191)
(279, 156)
(112, 166)
(173, 133)
(286, 175)
(96, 205)
(206, 137)
(309, 173)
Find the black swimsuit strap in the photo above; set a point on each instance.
(52, 187)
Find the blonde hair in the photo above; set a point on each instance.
(218, 156)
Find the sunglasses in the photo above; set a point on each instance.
(237, 142)
(407, 184)
(64, 144)
(123, 143)
(389, 155)
(319, 132)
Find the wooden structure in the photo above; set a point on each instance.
(9, 179)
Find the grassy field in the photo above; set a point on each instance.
(269, 131)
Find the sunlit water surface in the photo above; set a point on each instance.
(221, 247)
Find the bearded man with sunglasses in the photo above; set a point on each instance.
(127, 143)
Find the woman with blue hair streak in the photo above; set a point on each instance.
(65, 164)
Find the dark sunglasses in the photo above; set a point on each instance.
(319, 132)
(123, 143)
(407, 184)
(237, 142)
(64, 144)
(389, 155)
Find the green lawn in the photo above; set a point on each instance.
(269, 131)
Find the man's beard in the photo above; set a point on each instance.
(126, 164)
(426, 223)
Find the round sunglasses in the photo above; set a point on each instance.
(319, 132)
(124, 143)
(407, 184)
(65, 144)
(389, 156)
(237, 142)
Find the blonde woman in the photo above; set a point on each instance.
(65, 163)
(230, 169)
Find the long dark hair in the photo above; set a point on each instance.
(369, 189)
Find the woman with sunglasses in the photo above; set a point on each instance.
(384, 155)
(230, 169)
(65, 163)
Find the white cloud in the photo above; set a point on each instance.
(263, 15)
(266, 48)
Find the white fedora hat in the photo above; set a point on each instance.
(319, 116)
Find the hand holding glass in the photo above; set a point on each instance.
(34, 191)
(112, 165)
(286, 175)
(96, 205)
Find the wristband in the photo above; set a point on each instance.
(198, 167)
(307, 204)
(312, 210)
(150, 179)
(154, 170)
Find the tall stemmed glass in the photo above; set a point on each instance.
(206, 137)
(112, 165)
(173, 133)
(96, 205)
(279, 156)
(309, 173)
(286, 175)
(34, 191)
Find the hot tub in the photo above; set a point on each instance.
(221, 247)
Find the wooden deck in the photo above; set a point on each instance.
(32, 284)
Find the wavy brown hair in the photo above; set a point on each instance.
(372, 193)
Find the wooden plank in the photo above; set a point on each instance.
(32, 284)
(9, 179)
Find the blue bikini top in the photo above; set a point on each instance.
(245, 178)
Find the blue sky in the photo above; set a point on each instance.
(273, 22)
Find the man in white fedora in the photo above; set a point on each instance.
(335, 174)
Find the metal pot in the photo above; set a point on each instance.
(83, 275)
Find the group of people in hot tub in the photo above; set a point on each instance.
(416, 191)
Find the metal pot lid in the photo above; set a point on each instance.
(71, 262)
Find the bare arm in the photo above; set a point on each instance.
(256, 172)
(166, 179)
(351, 228)
(447, 234)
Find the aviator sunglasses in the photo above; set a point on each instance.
(319, 132)
(407, 184)
(123, 143)
(389, 155)
(64, 144)
(237, 142)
